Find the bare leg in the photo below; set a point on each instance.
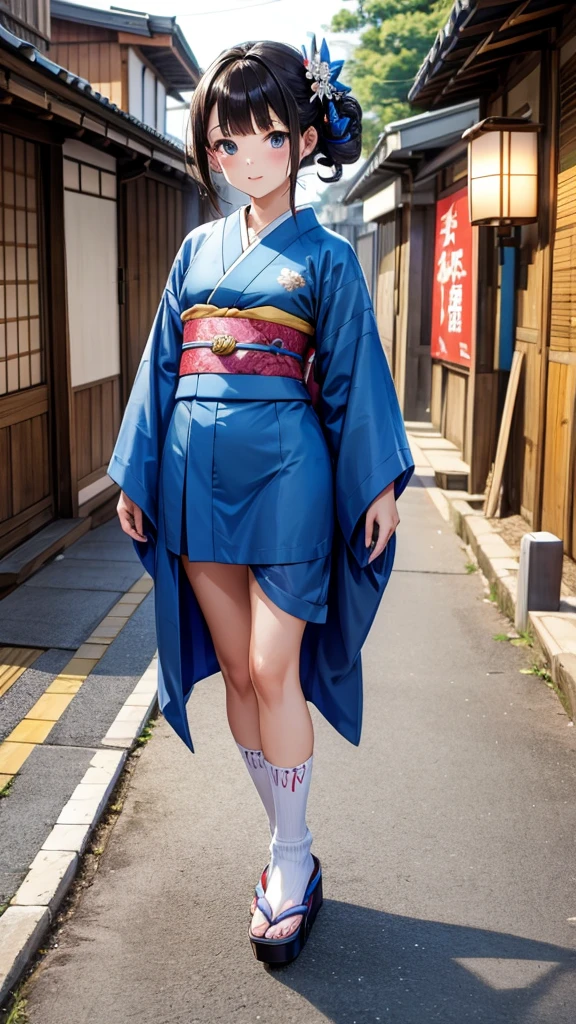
(223, 595)
(285, 724)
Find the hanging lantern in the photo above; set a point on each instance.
(503, 171)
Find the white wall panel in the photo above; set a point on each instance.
(92, 268)
(160, 107)
(135, 67)
(89, 154)
(149, 116)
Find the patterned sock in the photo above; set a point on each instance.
(292, 863)
(256, 765)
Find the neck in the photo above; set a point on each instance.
(266, 209)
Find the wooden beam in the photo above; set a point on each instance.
(48, 89)
(550, 115)
(57, 343)
(164, 42)
(485, 5)
(492, 499)
(133, 39)
(523, 14)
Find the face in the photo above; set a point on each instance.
(256, 164)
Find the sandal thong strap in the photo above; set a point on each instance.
(302, 908)
(264, 906)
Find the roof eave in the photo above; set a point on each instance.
(474, 29)
(144, 27)
(399, 150)
(29, 76)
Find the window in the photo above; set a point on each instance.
(21, 349)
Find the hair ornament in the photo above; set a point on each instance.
(324, 72)
(338, 125)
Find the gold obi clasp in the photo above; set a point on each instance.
(223, 344)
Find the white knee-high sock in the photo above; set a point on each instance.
(292, 862)
(256, 765)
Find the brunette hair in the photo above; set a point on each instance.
(244, 82)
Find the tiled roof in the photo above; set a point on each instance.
(478, 41)
(26, 51)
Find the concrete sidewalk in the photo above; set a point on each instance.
(447, 843)
(75, 641)
(555, 632)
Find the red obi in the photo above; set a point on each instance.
(223, 332)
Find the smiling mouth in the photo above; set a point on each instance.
(257, 178)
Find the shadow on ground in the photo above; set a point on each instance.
(363, 965)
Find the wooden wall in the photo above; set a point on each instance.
(34, 15)
(419, 312)
(403, 302)
(385, 303)
(530, 336)
(558, 504)
(153, 225)
(26, 499)
(454, 425)
(94, 54)
(97, 421)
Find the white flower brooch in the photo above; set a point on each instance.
(290, 279)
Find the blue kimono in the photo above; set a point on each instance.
(240, 468)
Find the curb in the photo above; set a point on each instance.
(555, 632)
(52, 872)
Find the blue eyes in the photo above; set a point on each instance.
(276, 140)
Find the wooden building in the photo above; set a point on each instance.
(414, 162)
(93, 206)
(519, 60)
(517, 292)
(134, 59)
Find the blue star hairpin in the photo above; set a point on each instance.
(324, 73)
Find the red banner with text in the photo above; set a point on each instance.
(452, 293)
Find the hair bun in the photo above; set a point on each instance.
(334, 152)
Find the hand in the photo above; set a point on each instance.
(130, 517)
(384, 512)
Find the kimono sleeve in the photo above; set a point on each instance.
(358, 405)
(135, 461)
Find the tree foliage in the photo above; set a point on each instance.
(395, 37)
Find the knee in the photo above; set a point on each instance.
(268, 677)
(237, 679)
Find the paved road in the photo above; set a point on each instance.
(447, 841)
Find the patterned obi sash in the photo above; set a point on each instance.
(264, 340)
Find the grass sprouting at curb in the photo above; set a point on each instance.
(5, 791)
(17, 1012)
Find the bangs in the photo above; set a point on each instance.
(243, 93)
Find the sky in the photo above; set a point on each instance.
(210, 26)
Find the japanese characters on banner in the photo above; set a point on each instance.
(452, 292)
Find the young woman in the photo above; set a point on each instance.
(262, 499)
